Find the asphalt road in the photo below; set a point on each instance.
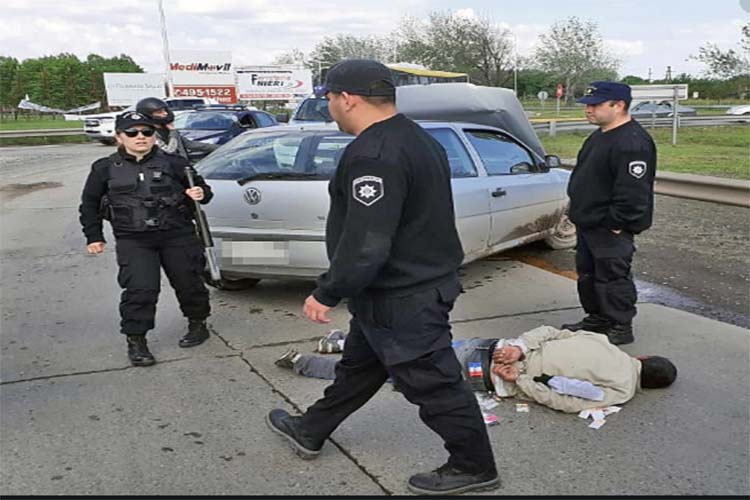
(78, 419)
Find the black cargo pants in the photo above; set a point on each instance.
(140, 261)
(408, 339)
(605, 280)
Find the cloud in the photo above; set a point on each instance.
(625, 48)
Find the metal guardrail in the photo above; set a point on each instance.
(696, 187)
(40, 132)
(552, 126)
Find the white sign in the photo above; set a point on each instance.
(654, 92)
(542, 95)
(201, 67)
(273, 84)
(125, 89)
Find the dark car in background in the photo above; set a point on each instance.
(311, 109)
(219, 124)
(662, 109)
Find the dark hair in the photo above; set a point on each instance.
(381, 99)
(657, 372)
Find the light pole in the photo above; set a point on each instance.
(515, 63)
(165, 44)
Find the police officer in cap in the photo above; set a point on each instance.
(168, 138)
(394, 254)
(145, 195)
(611, 194)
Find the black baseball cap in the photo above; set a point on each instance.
(131, 118)
(599, 92)
(359, 76)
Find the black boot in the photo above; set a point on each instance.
(591, 323)
(447, 480)
(288, 427)
(197, 333)
(619, 334)
(138, 352)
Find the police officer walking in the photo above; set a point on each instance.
(611, 194)
(168, 138)
(145, 195)
(394, 254)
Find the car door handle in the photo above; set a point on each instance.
(497, 193)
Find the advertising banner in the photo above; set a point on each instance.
(273, 84)
(203, 73)
(125, 89)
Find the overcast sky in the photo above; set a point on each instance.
(642, 33)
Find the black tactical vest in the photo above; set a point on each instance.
(145, 196)
(476, 366)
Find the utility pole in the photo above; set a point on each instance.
(668, 76)
(649, 75)
(165, 46)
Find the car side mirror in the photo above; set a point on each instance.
(552, 161)
(282, 117)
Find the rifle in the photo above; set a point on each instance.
(208, 242)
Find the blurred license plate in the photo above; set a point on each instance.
(270, 253)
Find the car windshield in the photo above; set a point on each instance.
(311, 153)
(204, 120)
(313, 110)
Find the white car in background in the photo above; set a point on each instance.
(268, 215)
(741, 110)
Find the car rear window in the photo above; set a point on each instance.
(204, 120)
(314, 153)
(313, 110)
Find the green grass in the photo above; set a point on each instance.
(26, 123)
(718, 151)
(43, 141)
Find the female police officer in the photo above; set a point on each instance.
(145, 195)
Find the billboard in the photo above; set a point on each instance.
(203, 73)
(273, 84)
(125, 89)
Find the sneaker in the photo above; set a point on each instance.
(288, 359)
(197, 333)
(287, 426)
(591, 323)
(138, 352)
(447, 480)
(333, 342)
(619, 334)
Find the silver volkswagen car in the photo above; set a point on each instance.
(269, 212)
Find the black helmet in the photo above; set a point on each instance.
(147, 107)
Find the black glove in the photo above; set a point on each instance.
(543, 378)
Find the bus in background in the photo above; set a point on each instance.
(410, 75)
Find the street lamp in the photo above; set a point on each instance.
(515, 63)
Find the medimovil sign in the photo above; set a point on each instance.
(200, 66)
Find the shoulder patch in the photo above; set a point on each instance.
(367, 189)
(637, 168)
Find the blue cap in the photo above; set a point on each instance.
(358, 76)
(599, 92)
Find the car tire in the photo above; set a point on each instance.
(232, 285)
(563, 235)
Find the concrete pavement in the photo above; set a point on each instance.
(76, 418)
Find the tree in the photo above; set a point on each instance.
(341, 46)
(9, 98)
(574, 51)
(449, 42)
(726, 64)
(292, 57)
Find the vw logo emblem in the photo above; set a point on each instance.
(252, 196)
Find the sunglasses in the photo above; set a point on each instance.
(132, 132)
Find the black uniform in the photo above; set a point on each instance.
(151, 219)
(394, 252)
(612, 187)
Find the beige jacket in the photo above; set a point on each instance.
(581, 355)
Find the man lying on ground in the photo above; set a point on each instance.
(564, 370)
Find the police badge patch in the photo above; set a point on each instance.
(637, 169)
(367, 189)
